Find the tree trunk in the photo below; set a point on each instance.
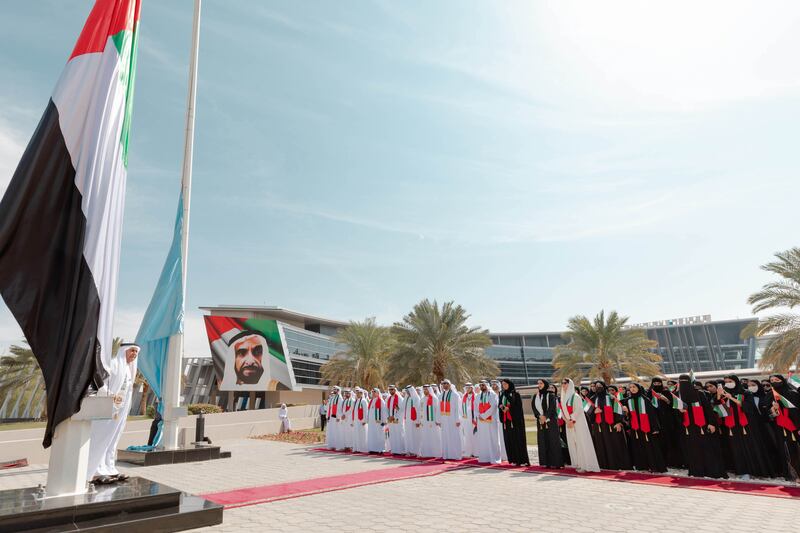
(438, 371)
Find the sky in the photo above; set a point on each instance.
(530, 160)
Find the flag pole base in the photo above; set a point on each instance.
(67, 474)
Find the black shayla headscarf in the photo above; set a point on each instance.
(737, 389)
(686, 389)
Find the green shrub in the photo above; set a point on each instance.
(150, 412)
(205, 408)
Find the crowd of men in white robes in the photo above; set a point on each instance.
(429, 421)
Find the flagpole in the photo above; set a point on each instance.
(174, 370)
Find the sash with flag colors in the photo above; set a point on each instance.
(61, 216)
(618, 404)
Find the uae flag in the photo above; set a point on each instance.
(61, 216)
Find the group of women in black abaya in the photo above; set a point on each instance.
(747, 428)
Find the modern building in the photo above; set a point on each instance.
(692, 343)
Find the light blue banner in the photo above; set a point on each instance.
(164, 318)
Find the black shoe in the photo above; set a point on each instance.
(102, 480)
(122, 477)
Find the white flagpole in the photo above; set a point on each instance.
(174, 370)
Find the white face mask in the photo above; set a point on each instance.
(753, 388)
(730, 385)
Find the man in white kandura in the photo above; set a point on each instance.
(579, 439)
(496, 389)
(468, 422)
(332, 429)
(346, 430)
(451, 421)
(411, 419)
(488, 444)
(106, 433)
(359, 422)
(430, 431)
(283, 416)
(376, 420)
(395, 420)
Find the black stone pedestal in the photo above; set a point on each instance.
(185, 454)
(135, 505)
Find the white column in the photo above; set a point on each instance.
(69, 452)
(171, 391)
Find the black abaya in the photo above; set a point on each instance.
(671, 429)
(548, 436)
(746, 451)
(703, 452)
(645, 434)
(787, 437)
(610, 444)
(513, 422)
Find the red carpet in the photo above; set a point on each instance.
(296, 489)
(665, 480)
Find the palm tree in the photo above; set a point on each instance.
(434, 343)
(21, 374)
(603, 349)
(364, 359)
(783, 351)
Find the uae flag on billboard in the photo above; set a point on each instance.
(249, 354)
(61, 216)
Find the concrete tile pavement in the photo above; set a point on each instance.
(473, 498)
(462, 499)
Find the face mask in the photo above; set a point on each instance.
(730, 385)
(753, 389)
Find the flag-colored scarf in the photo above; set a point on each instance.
(639, 417)
(377, 404)
(506, 412)
(783, 419)
(484, 405)
(729, 420)
(444, 404)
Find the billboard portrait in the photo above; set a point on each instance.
(249, 354)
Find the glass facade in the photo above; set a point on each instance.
(308, 351)
(524, 358)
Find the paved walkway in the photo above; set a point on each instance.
(453, 498)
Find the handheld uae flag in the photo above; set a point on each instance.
(782, 400)
(61, 216)
(794, 380)
(721, 411)
(617, 404)
(677, 403)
